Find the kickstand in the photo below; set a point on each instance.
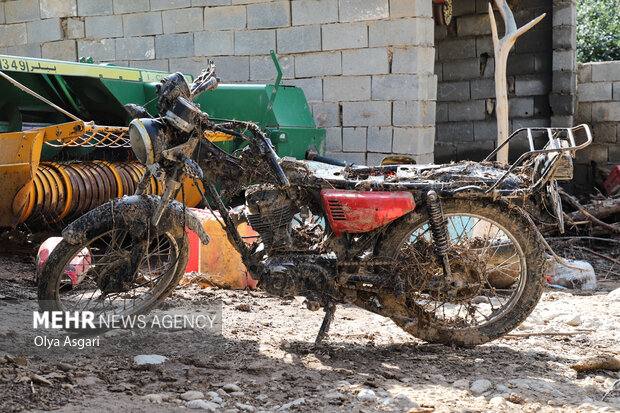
(330, 310)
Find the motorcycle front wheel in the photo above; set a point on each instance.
(496, 265)
(97, 275)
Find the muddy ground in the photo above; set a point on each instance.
(264, 360)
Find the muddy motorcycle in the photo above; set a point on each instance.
(450, 253)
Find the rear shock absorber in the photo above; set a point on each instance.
(439, 231)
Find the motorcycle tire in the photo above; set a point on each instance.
(74, 271)
(502, 257)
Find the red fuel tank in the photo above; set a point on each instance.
(363, 211)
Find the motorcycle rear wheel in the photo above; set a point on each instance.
(497, 264)
(69, 280)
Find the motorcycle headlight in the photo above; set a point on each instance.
(147, 139)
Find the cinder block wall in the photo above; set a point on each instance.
(598, 104)
(366, 66)
(466, 124)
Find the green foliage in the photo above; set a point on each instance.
(598, 30)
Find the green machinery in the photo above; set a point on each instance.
(39, 174)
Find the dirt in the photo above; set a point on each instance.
(365, 364)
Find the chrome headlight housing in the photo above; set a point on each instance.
(147, 139)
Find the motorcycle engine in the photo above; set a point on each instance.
(269, 211)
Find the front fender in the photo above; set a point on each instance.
(133, 212)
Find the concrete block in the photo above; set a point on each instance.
(13, 34)
(484, 45)
(595, 152)
(2, 17)
(473, 151)
(314, 11)
(215, 43)
(613, 155)
(461, 70)
(142, 24)
(532, 85)
(354, 139)
(104, 26)
(358, 158)
(520, 64)
(28, 50)
(461, 8)
(445, 152)
(374, 159)
(402, 32)
(353, 10)
(62, 50)
(616, 91)
(404, 87)
(441, 32)
(414, 60)
(452, 91)
(604, 132)
(441, 112)
(424, 158)
(346, 88)
(174, 45)
(135, 48)
(413, 141)
(562, 105)
(312, 87)
(476, 25)
(410, 8)
(595, 92)
(564, 60)
(482, 88)
(155, 64)
(254, 42)
(366, 113)
(365, 62)
(379, 140)
(584, 112)
(439, 71)
(344, 35)
(221, 18)
(564, 82)
(584, 72)
(191, 65)
(21, 11)
(326, 114)
(485, 131)
(470, 110)
(299, 39)
(46, 30)
(233, 69)
(100, 50)
(94, 7)
(262, 68)
(169, 4)
(455, 131)
(561, 121)
(535, 41)
(182, 21)
(57, 8)
(564, 38)
(130, 6)
(414, 113)
(521, 107)
(74, 29)
(605, 112)
(457, 49)
(268, 15)
(333, 139)
(564, 16)
(605, 71)
(542, 62)
(318, 64)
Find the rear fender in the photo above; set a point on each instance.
(133, 212)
